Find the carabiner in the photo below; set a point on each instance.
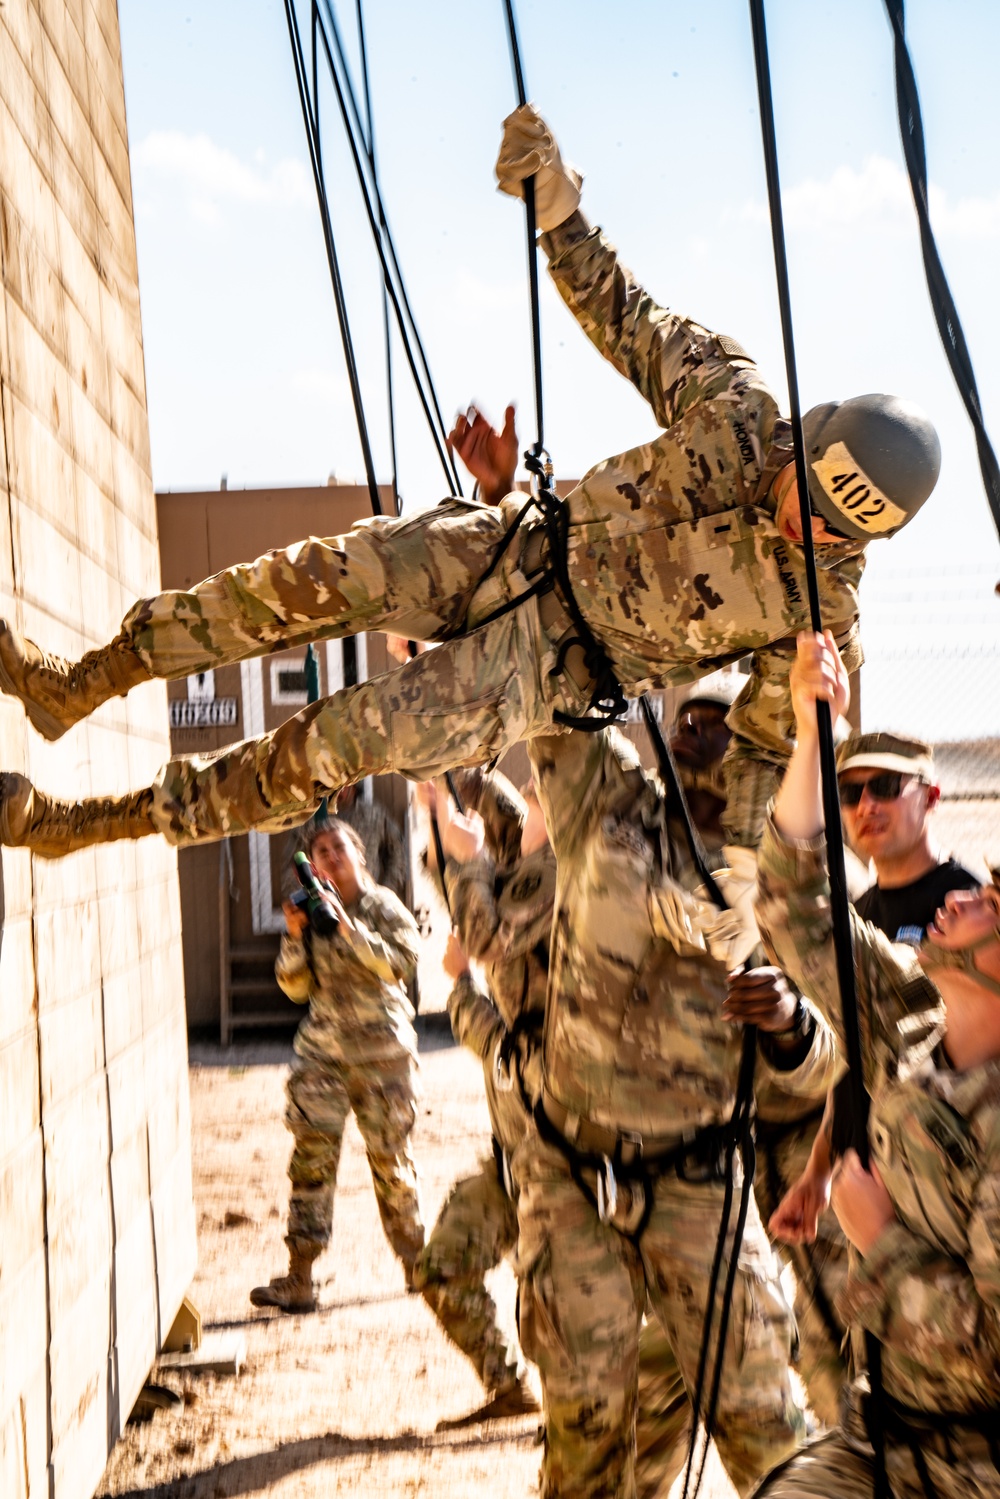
(607, 1191)
(502, 1080)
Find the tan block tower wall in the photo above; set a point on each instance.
(97, 1242)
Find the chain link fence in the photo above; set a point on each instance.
(932, 670)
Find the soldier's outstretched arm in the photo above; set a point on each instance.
(499, 804)
(671, 360)
(895, 998)
(475, 1020)
(763, 724)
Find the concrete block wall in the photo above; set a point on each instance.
(97, 1242)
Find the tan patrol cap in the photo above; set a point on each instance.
(883, 751)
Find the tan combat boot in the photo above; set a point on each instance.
(50, 828)
(293, 1292)
(56, 693)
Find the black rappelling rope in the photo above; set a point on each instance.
(945, 312)
(310, 118)
(395, 285)
(839, 900)
(740, 1138)
(531, 230)
(390, 396)
(309, 101)
(383, 241)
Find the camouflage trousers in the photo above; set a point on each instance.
(475, 1230)
(584, 1286)
(663, 1422)
(484, 688)
(320, 1095)
(840, 1465)
(820, 1269)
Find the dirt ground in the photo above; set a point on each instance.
(345, 1400)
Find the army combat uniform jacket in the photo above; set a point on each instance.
(929, 1288)
(354, 983)
(674, 558)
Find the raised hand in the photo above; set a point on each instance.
(490, 456)
(454, 962)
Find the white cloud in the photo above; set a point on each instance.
(878, 193)
(205, 175)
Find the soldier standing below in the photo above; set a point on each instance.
(621, 1174)
(675, 557)
(500, 877)
(924, 1219)
(355, 1051)
(785, 1126)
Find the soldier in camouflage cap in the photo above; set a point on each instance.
(924, 1221)
(683, 554)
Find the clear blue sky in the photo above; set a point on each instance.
(656, 103)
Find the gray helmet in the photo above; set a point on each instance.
(872, 463)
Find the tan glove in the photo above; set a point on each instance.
(528, 149)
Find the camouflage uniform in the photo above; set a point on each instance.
(929, 1288)
(355, 1049)
(785, 1127)
(635, 1047)
(676, 563)
(503, 917)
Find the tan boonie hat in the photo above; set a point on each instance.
(883, 751)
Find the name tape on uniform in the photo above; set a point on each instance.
(849, 489)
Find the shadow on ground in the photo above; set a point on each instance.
(252, 1474)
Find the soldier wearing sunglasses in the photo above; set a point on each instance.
(887, 795)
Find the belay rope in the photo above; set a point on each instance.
(839, 899)
(942, 303)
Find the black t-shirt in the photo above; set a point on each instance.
(904, 914)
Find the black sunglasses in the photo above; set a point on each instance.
(884, 787)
